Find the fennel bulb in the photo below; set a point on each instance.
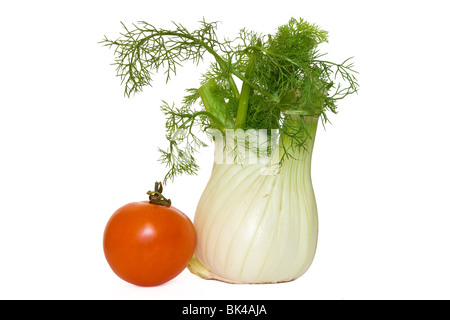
(258, 228)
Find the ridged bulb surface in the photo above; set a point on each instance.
(258, 228)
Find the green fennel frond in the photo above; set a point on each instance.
(182, 135)
(280, 74)
(146, 49)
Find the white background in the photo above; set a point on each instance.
(74, 149)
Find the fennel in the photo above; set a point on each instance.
(256, 221)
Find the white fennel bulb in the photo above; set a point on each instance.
(254, 227)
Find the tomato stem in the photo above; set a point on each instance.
(156, 196)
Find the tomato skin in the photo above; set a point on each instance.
(147, 244)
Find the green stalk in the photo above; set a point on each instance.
(214, 106)
(233, 86)
(246, 89)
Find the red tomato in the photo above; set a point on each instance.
(147, 244)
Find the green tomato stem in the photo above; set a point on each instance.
(156, 196)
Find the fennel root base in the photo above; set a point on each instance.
(197, 268)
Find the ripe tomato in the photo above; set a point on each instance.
(147, 244)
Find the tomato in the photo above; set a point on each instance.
(148, 244)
